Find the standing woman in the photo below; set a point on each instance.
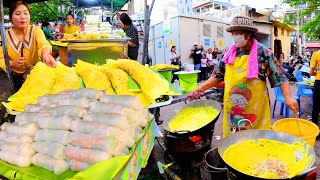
(315, 63)
(70, 28)
(131, 32)
(26, 44)
(174, 58)
(46, 30)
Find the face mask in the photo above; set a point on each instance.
(239, 41)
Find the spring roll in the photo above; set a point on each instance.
(50, 163)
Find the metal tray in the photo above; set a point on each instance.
(96, 40)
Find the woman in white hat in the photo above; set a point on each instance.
(244, 68)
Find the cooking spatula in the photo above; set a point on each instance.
(298, 124)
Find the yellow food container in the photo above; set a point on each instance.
(309, 130)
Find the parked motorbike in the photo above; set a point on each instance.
(288, 71)
(305, 70)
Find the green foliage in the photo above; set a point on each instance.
(312, 27)
(41, 13)
(6, 11)
(290, 19)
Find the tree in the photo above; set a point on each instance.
(5, 11)
(41, 12)
(312, 27)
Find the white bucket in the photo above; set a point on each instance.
(189, 67)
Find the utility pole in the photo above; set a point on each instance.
(4, 48)
(298, 32)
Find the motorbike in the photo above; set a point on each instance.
(288, 71)
(305, 70)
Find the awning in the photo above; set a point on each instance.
(117, 4)
(7, 3)
(313, 45)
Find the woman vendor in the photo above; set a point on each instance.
(244, 68)
(26, 44)
(131, 32)
(70, 28)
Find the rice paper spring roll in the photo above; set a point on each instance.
(52, 135)
(27, 129)
(18, 138)
(14, 158)
(3, 135)
(51, 99)
(91, 141)
(123, 100)
(1, 144)
(86, 155)
(84, 93)
(60, 122)
(54, 150)
(31, 116)
(135, 117)
(24, 149)
(74, 111)
(91, 127)
(112, 119)
(78, 165)
(81, 102)
(56, 165)
(32, 108)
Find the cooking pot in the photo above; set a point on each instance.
(271, 135)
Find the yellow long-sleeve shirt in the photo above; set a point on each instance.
(35, 42)
(315, 62)
(72, 29)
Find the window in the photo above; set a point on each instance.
(275, 31)
(207, 30)
(282, 31)
(220, 31)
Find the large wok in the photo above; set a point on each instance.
(198, 103)
(265, 134)
(186, 147)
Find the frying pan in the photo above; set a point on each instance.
(264, 134)
(198, 103)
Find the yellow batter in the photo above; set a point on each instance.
(193, 118)
(247, 156)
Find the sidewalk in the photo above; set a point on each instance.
(306, 109)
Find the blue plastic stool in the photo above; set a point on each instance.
(302, 90)
(279, 97)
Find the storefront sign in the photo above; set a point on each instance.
(220, 43)
(207, 42)
(167, 26)
(159, 44)
(171, 43)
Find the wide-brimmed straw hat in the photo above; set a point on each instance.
(242, 23)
